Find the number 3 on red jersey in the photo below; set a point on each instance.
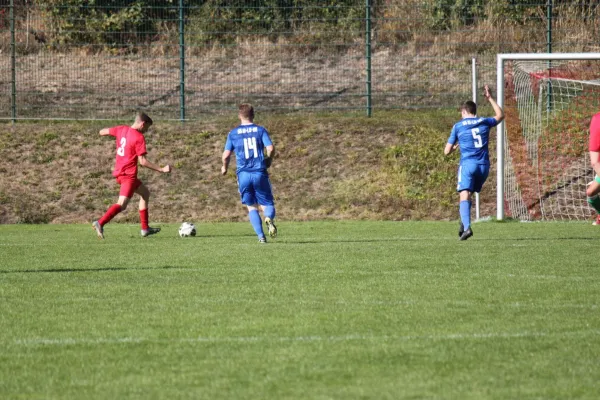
(121, 148)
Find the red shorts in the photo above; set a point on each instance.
(595, 133)
(128, 185)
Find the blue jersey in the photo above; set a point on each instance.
(472, 135)
(248, 143)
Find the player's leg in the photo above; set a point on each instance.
(256, 222)
(592, 192)
(478, 174)
(465, 214)
(144, 193)
(470, 177)
(248, 197)
(264, 196)
(125, 194)
(464, 189)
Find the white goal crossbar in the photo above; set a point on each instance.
(500, 130)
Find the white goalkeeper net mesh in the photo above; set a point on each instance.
(548, 107)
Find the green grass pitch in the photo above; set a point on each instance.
(329, 310)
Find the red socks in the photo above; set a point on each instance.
(110, 214)
(115, 209)
(144, 218)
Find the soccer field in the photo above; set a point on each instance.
(329, 310)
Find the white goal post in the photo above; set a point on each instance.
(542, 150)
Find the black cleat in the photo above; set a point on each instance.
(466, 234)
(262, 240)
(461, 229)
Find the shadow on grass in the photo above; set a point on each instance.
(533, 239)
(28, 271)
(308, 241)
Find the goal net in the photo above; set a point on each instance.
(548, 105)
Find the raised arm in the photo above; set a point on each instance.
(497, 110)
(104, 132)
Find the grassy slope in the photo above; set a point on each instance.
(344, 310)
(328, 167)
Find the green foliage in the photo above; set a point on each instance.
(113, 23)
(446, 14)
(225, 21)
(126, 23)
(430, 175)
(514, 10)
(46, 138)
(453, 14)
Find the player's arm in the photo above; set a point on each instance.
(144, 162)
(499, 117)
(225, 158)
(270, 150)
(595, 162)
(450, 148)
(594, 144)
(270, 153)
(452, 143)
(105, 132)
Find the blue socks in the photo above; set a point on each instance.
(269, 212)
(256, 223)
(465, 213)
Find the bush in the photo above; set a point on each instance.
(116, 23)
(223, 21)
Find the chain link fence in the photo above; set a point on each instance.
(180, 59)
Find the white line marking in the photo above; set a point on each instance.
(313, 338)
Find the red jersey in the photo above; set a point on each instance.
(130, 144)
(595, 133)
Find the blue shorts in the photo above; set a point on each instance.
(471, 177)
(255, 188)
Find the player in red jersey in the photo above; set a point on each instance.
(593, 188)
(131, 148)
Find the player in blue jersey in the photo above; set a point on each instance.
(471, 135)
(249, 142)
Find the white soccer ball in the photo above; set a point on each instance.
(187, 229)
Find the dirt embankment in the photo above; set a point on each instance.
(327, 167)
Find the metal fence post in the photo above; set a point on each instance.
(13, 63)
(368, 56)
(181, 62)
(549, 50)
(474, 98)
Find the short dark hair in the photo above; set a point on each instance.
(145, 118)
(246, 111)
(469, 106)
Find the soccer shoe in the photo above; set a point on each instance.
(461, 229)
(597, 220)
(149, 231)
(466, 234)
(262, 240)
(271, 227)
(99, 230)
